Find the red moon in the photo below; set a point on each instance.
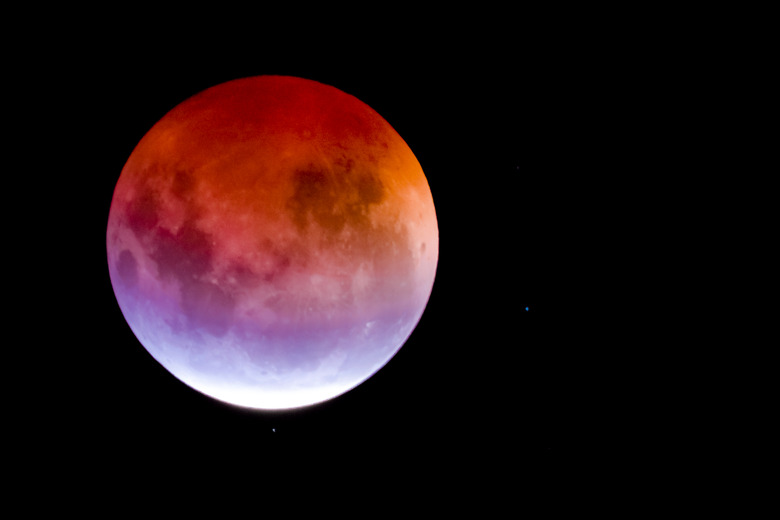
(272, 242)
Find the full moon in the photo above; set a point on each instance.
(272, 242)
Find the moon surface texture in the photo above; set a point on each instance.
(272, 242)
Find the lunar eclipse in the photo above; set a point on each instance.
(272, 242)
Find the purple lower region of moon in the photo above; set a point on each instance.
(262, 367)
(272, 242)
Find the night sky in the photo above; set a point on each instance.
(504, 364)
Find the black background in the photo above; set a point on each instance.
(519, 130)
(587, 163)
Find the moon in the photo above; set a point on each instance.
(272, 242)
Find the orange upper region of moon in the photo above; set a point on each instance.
(272, 241)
